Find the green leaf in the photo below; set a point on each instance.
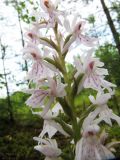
(67, 39)
(22, 4)
(67, 109)
(65, 126)
(51, 43)
(33, 19)
(76, 83)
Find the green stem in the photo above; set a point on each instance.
(69, 97)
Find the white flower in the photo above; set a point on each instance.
(51, 12)
(76, 29)
(31, 51)
(93, 73)
(45, 97)
(89, 147)
(105, 114)
(51, 113)
(40, 69)
(33, 34)
(48, 147)
(50, 126)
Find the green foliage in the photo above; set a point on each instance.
(116, 8)
(91, 19)
(23, 9)
(114, 135)
(109, 55)
(16, 140)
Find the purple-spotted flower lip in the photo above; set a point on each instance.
(94, 73)
(90, 130)
(39, 96)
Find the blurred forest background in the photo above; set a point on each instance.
(17, 124)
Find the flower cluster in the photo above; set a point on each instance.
(53, 91)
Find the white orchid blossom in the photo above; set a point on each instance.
(51, 13)
(39, 67)
(39, 96)
(33, 35)
(93, 73)
(89, 147)
(54, 89)
(48, 147)
(76, 29)
(50, 126)
(105, 113)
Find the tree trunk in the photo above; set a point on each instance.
(21, 32)
(111, 25)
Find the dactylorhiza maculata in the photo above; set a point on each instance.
(54, 92)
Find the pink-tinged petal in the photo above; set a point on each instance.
(37, 98)
(78, 151)
(88, 58)
(107, 84)
(47, 128)
(90, 119)
(101, 71)
(91, 130)
(58, 127)
(48, 147)
(43, 5)
(31, 51)
(104, 115)
(48, 151)
(74, 22)
(39, 71)
(102, 99)
(41, 140)
(33, 34)
(99, 63)
(35, 102)
(90, 42)
(79, 27)
(57, 89)
(67, 25)
(93, 82)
